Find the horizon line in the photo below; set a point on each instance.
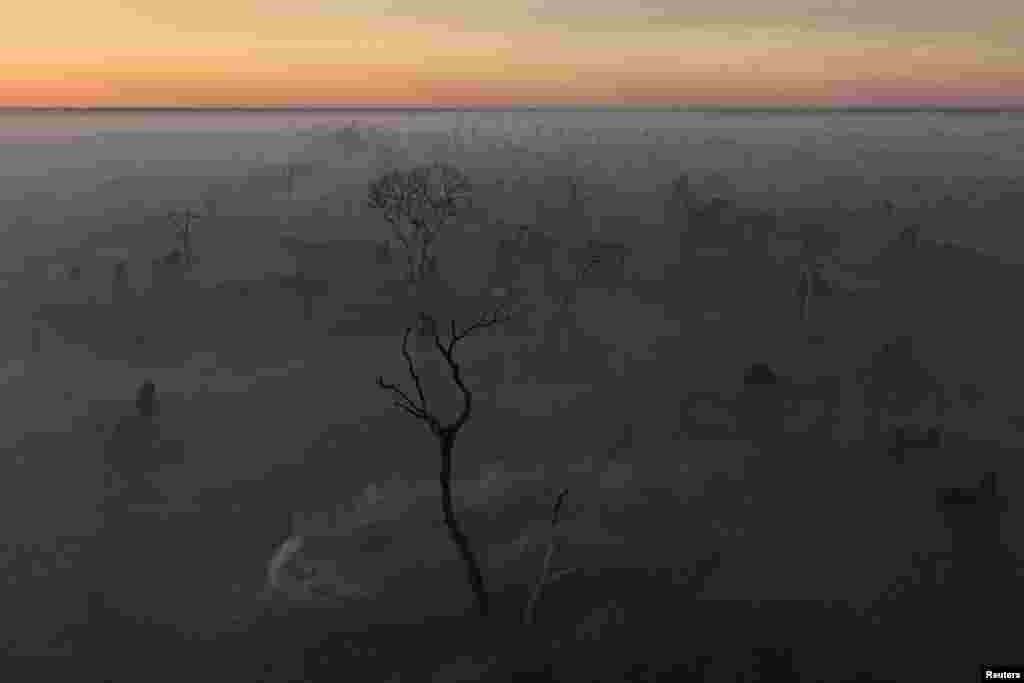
(526, 108)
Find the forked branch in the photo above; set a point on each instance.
(496, 317)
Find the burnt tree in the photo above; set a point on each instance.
(446, 433)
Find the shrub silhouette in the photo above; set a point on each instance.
(171, 258)
(145, 400)
(974, 518)
(759, 374)
(896, 384)
(904, 437)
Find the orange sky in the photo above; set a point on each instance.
(409, 52)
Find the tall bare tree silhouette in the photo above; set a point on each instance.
(446, 433)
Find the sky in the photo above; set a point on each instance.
(499, 53)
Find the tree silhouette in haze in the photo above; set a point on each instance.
(446, 433)
(418, 203)
(897, 386)
(145, 400)
(182, 222)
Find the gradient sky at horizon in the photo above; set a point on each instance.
(464, 53)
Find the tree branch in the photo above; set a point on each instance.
(467, 396)
(497, 317)
(405, 403)
(396, 230)
(447, 351)
(394, 388)
(418, 414)
(543, 579)
(556, 509)
(420, 410)
(412, 370)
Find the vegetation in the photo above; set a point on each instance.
(182, 222)
(145, 400)
(719, 457)
(417, 204)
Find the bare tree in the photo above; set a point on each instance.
(294, 170)
(911, 236)
(418, 203)
(183, 221)
(445, 433)
(575, 211)
(812, 284)
(530, 610)
(681, 201)
(806, 288)
(816, 246)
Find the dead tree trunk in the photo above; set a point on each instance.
(803, 294)
(474, 575)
